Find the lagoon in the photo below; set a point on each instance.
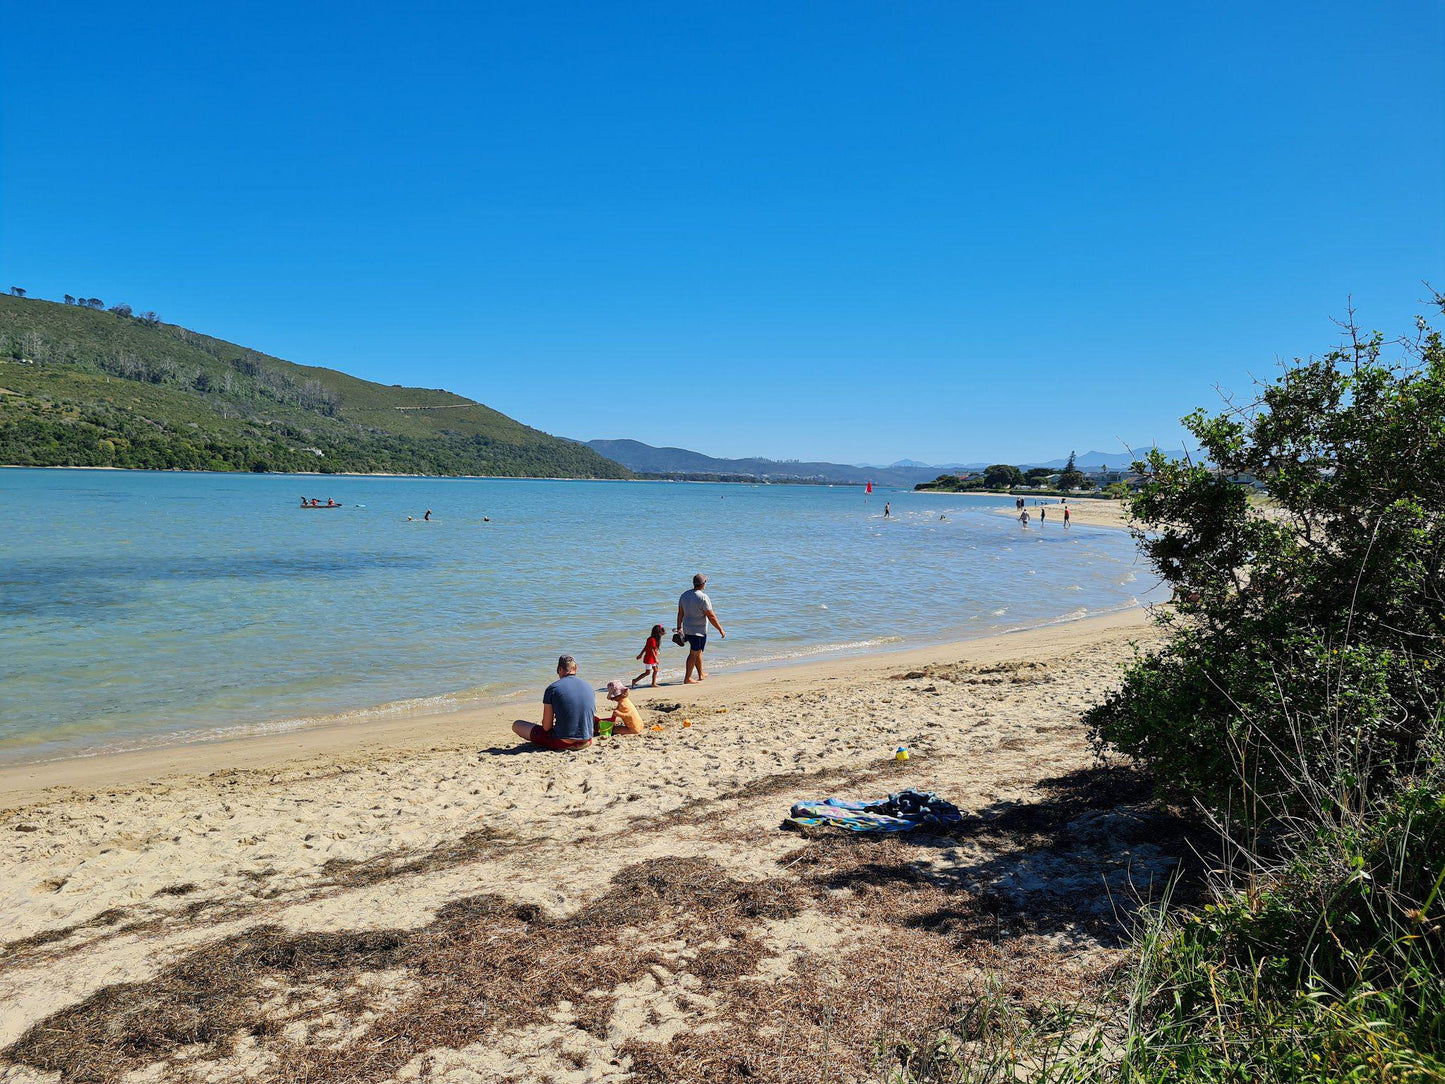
(147, 608)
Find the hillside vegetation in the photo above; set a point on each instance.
(84, 387)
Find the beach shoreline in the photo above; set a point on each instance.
(1083, 512)
(120, 868)
(22, 780)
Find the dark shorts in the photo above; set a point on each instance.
(697, 642)
(547, 740)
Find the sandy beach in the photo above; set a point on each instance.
(425, 901)
(1085, 511)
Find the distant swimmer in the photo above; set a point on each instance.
(427, 517)
(486, 519)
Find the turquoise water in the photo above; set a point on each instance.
(141, 608)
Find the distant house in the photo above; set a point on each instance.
(1102, 477)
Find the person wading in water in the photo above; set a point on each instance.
(694, 612)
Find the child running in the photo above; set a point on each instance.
(626, 719)
(648, 655)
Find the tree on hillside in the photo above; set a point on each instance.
(122, 309)
(95, 303)
(1037, 476)
(1001, 476)
(18, 291)
(1070, 477)
(148, 318)
(69, 300)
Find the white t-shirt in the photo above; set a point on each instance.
(695, 605)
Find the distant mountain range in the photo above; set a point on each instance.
(1098, 460)
(646, 459)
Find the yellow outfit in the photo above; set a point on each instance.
(628, 717)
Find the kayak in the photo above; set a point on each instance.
(323, 506)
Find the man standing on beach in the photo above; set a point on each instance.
(694, 611)
(569, 712)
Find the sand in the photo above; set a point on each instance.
(118, 868)
(1084, 511)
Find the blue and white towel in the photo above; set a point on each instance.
(902, 812)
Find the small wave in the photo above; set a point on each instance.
(821, 649)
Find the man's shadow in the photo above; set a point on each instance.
(512, 750)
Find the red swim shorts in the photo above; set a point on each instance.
(547, 740)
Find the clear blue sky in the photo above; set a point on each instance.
(853, 231)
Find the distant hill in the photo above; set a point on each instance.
(84, 387)
(1119, 460)
(645, 459)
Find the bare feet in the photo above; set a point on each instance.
(691, 681)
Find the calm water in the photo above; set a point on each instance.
(139, 608)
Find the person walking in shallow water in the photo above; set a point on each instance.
(694, 613)
(887, 510)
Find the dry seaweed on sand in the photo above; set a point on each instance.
(1014, 672)
(358, 872)
(484, 963)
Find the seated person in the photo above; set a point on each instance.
(626, 719)
(568, 712)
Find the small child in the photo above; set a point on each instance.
(648, 655)
(626, 719)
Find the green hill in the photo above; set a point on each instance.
(85, 387)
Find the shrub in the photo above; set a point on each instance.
(1298, 702)
(1334, 594)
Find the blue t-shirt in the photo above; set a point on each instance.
(573, 705)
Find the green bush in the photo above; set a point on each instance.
(1332, 598)
(1297, 703)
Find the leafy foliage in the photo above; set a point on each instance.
(84, 387)
(1002, 476)
(1298, 703)
(1307, 631)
